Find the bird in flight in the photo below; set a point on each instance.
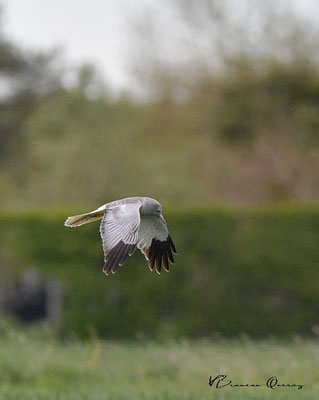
(127, 224)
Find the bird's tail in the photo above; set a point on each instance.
(78, 220)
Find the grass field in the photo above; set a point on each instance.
(35, 366)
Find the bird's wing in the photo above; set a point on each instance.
(155, 243)
(119, 232)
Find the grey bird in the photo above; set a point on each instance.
(127, 224)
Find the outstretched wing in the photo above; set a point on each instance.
(155, 242)
(119, 232)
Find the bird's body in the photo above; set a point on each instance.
(127, 224)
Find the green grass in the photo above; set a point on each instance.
(35, 366)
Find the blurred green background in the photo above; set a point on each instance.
(225, 136)
(220, 123)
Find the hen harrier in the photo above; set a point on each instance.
(127, 224)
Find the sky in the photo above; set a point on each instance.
(94, 31)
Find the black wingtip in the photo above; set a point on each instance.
(172, 245)
(160, 254)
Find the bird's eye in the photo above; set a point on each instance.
(158, 213)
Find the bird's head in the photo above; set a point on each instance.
(151, 207)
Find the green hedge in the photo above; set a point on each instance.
(238, 271)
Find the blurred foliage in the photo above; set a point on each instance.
(248, 135)
(25, 78)
(238, 271)
(243, 129)
(233, 120)
(270, 97)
